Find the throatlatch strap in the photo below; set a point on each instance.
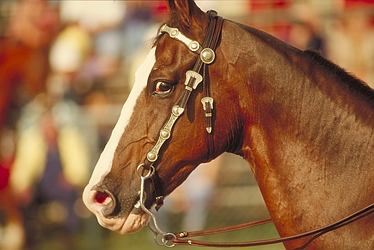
(208, 56)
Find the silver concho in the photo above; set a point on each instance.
(207, 55)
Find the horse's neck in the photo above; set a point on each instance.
(307, 147)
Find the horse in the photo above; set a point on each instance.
(304, 125)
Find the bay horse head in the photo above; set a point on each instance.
(160, 96)
(305, 126)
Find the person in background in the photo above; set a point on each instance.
(351, 44)
(24, 45)
(50, 167)
(302, 35)
(305, 31)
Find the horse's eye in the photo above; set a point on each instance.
(163, 88)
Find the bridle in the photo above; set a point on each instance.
(206, 53)
(147, 171)
(193, 78)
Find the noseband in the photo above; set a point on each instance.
(199, 73)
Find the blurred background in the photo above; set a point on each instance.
(66, 68)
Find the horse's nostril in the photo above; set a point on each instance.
(105, 201)
(101, 197)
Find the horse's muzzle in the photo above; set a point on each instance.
(107, 210)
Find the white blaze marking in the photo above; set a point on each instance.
(104, 164)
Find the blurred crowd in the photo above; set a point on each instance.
(66, 68)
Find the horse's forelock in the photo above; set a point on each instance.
(104, 164)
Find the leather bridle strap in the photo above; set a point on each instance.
(207, 100)
(179, 238)
(193, 78)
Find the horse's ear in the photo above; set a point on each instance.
(187, 9)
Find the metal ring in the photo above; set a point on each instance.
(150, 172)
(168, 242)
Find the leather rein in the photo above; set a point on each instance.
(147, 171)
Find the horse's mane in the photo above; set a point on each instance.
(174, 19)
(343, 78)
